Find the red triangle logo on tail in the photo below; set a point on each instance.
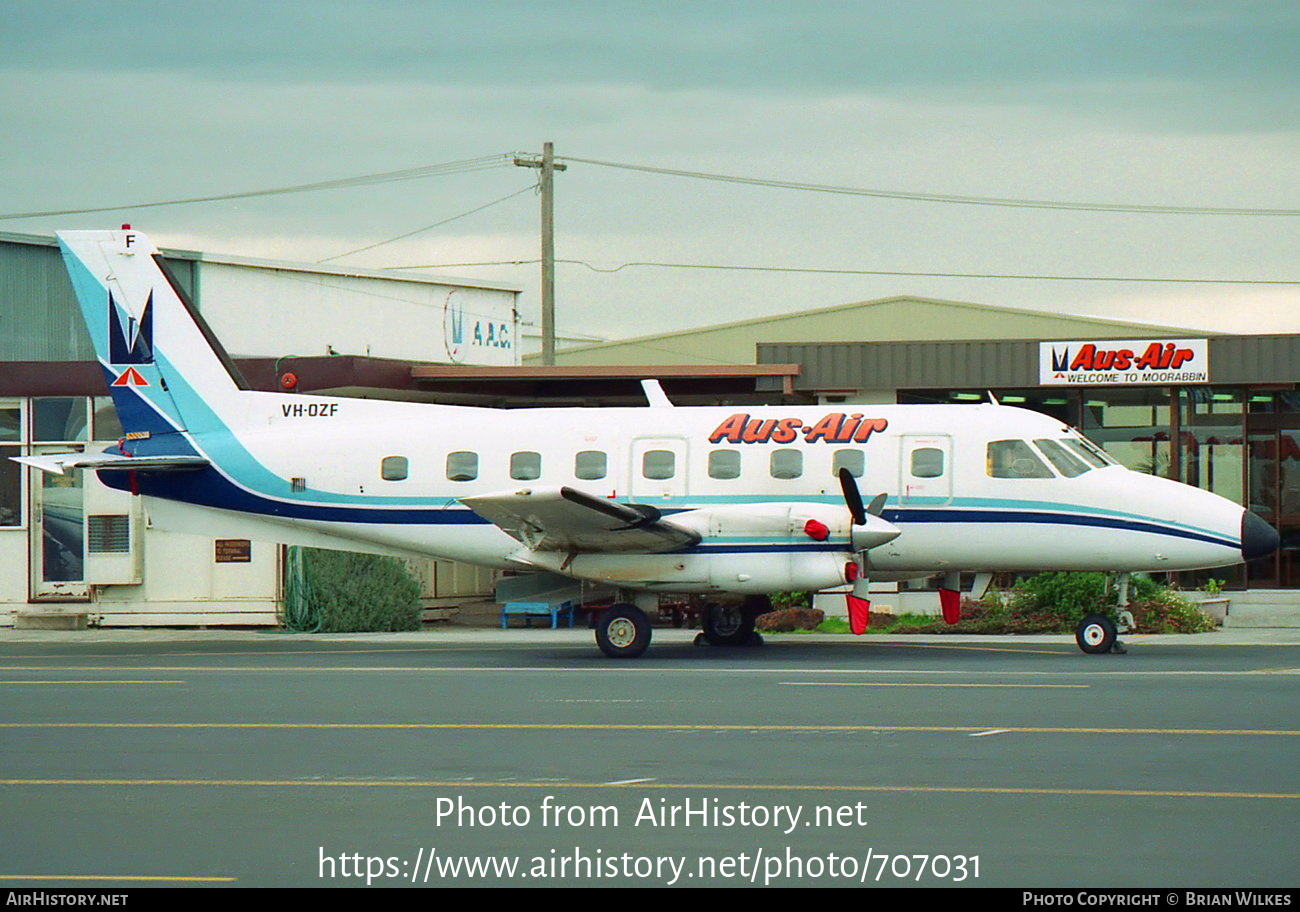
(130, 377)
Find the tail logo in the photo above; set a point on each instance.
(130, 344)
(130, 377)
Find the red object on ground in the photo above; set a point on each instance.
(859, 614)
(950, 602)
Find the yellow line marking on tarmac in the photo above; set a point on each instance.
(649, 727)
(50, 683)
(147, 878)
(909, 684)
(729, 786)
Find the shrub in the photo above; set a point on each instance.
(788, 619)
(345, 592)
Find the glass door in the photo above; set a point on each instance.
(1273, 483)
(58, 530)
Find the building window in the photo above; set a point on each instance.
(56, 419)
(525, 465)
(1014, 459)
(1131, 425)
(590, 465)
(462, 466)
(1212, 439)
(658, 465)
(393, 468)
(853, 460)
(104, 421)
(11, 487)
(724, 464)
(786, 464)
(927, 462)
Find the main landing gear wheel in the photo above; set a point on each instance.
(727, 625)
(1095, 634)
(623, 632)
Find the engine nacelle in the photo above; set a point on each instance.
(744, 548)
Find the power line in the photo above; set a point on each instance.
(940, 197)
(871, 272)
(462, 166)
(339, 256)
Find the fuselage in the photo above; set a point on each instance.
(972, 487)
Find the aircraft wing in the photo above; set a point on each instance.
(565, 519)
(59, 463)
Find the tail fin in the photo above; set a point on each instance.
(165, 370)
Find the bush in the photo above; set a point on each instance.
(345, 592)
(788, 619)
(1169, 612)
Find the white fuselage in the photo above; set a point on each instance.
(953, 512)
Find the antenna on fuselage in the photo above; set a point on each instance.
(992, 398)
(655, 395)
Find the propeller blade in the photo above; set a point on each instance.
(852, 496)
(877, 505)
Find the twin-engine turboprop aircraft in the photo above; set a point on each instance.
(730, 505)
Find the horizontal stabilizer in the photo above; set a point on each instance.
(565, 519)
(59, 463)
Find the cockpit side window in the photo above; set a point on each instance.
(1059, 456)
(1015, 459)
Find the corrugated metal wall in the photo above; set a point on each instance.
(39, 320)
(1007, 364)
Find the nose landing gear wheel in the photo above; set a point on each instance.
(1095, 634)
(623, 632)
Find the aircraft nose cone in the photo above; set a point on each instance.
(1258, 538)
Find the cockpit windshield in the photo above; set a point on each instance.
(1089, 451)
(1067, 465)
(1069, 456)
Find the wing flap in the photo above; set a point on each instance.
(566, 519)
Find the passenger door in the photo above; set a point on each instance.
(925, 469)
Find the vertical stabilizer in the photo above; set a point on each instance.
(165, 370)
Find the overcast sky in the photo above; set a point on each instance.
(1179, 103)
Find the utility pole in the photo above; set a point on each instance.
(547, 186)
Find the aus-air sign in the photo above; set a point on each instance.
(1114, 362)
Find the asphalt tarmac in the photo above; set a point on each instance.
(525, 758)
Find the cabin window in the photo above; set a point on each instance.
(525, 465)
(658, 465)
(724, 464)
(786, 463)
(394, 468)
(590, 465)
(927, 462)
(462, 466)
(1059, 456)
(1015, 459)
(853, 460)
